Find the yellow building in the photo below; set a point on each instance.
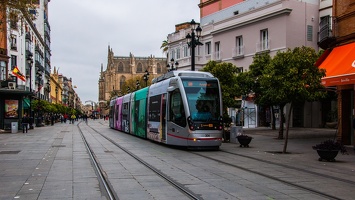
(56, 88)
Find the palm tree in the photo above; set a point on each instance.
(165, 46)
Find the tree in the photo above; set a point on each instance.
(226, 74)
(131, 85)
(165, 46)
(14, 11)
(249, 83)
(291, 77)
(17, 8)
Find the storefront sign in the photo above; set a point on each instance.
(11, 108)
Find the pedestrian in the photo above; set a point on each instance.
(65, 117)
(73, 117)
(85, 117)
(25, 121)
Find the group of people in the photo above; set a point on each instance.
(65, 117)
(53, 118)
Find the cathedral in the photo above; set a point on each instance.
(123, 69)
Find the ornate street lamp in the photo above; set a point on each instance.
(137, 84)
(146, 77)
(172, 64)
(193, 41)
(29, 60)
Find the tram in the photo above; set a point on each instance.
(180, 108)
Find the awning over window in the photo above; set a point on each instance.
(26, 103)
(340, 66)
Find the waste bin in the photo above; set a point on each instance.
(14, 127)
(235, 130)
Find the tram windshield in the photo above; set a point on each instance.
(203, 99)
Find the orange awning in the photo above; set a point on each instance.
(340, 66)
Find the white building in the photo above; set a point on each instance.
(28, 38)
(237, 33)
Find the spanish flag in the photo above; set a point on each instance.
(17, 73)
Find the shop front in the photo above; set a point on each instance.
(12, 107)
(340, 73)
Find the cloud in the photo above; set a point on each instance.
(82, 30)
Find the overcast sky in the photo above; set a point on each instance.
(82, 30)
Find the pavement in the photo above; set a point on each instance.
(49, 163)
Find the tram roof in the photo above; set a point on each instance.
(182, 73)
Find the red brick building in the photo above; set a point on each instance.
(340, 66)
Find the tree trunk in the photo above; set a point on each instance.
(287, 128)
(282, 119)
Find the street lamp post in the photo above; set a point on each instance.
(172, 64)
(29, 60)
(137, 84)
(146, 77)
(193, 41)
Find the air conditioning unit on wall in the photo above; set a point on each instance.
(11, 85)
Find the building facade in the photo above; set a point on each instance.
(337, 37)
(120, 69)
(235, 31)
(25, 66)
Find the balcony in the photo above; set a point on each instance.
(263, 46)
(217, 56)
(325, 34)
(238, 52)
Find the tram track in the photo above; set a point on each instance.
(304, 188)
(293, 167)
(105, 180)
(219, 157)
(108, 191)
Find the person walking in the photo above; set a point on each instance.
(25, 121)
(73, 117)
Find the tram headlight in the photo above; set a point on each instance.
(220, 123)
(191, 123)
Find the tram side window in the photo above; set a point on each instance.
(177, 113)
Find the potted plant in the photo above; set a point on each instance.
(244, 140)
(329, 149)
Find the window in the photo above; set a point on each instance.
(13, 61)
(264, 40)
(177, 113)
(159, 68)
(172, 55)
(203, 99)
(239, 46)
(178, 53)
(13, 42)
(120, 67)
(325, 28)
(217, 53)
(140, 67)
(2, 70)
(186, 50)
(208, 48)
(309, 33)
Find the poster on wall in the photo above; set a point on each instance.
(11, 108)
